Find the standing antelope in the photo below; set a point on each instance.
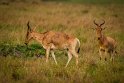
(106, 44)
(51, 41)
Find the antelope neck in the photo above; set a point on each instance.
(101, 40)
(38, 36)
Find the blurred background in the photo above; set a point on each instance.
(26, 64)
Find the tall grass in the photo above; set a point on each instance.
(22, 64)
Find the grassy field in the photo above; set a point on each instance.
(20, 64)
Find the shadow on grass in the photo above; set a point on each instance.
(21, 50)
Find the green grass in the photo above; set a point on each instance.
(26, 64)
(21, 50)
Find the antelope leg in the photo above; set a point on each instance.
(53, 55)
(69, 58)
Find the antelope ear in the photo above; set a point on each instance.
(103, 28)
(93, 28)
(34, 28)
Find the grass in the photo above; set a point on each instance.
(22, 64)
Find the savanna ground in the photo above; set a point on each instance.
(19, 63)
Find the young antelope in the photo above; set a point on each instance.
(52, 41)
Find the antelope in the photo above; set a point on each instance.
(106, 44)
(51, 41)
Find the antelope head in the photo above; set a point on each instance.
(29, 34)
(99, 29)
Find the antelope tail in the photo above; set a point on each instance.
(78, 42)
